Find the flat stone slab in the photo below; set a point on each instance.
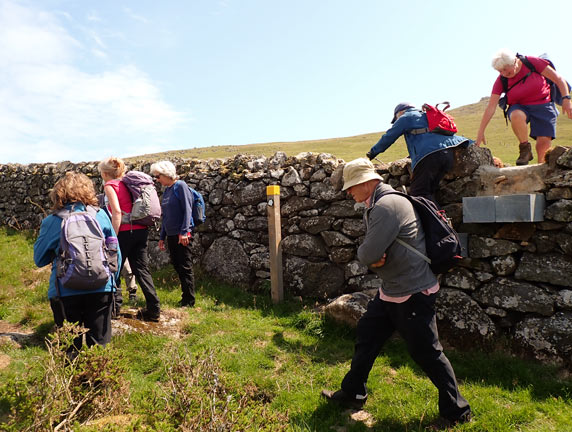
(511, 180)
(504, 208)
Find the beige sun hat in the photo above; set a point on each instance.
(359, 171)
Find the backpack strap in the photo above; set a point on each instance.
(505, 86)
(526, 62)
(412, 249)
(418, 131)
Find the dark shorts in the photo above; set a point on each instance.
(542, 118)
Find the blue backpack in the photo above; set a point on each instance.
(442, 243)
(198, 206)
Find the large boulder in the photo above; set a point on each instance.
(460, 314)
(547, 337)
(297, 204)
(461, 278)
(484, 247)
(226, 260)
(252, 193)
(517, 296)
(560, 211)
(305, 245)
(316, 224)
(468, 159)
(551, 268)
(312, 279)
(349, 308)
(325, 191)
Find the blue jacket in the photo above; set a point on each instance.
(47, 247)
(419, 145)
(177, 209)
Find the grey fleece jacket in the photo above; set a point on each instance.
(387, 218)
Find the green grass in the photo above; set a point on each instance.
(268, 364)
(500, 140)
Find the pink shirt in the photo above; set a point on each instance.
(533, 91)
(125, 203)
(403, 299)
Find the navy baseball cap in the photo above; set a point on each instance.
(400, 107)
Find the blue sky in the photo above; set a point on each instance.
(82, 79)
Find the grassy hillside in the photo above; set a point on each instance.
(499, 136)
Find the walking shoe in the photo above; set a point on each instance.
(185, 303)
(443, 423)
(145, 315)
(525, 155)
(345, 399)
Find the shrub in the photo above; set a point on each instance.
(73, 386)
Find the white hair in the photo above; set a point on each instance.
(165, 168)
(503, 58)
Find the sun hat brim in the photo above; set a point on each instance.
(361, 177)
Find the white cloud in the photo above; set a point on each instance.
(52, 110)
(135, 16)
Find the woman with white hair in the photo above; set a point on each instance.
(523, 81)
(177, 226)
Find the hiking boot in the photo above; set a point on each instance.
(186, 303)
(345, 399)
(443, 423)
(525, 155)
(132, 298)
(145, 315)
(115, 314)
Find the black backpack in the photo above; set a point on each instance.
(442, 243)
(555, 95)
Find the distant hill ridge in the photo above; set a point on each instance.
(500, 140)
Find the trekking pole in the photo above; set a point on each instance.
(378, 160)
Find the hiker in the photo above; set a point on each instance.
(91, 308)
(132, 237)
(431, 153)
(406, 300)
(177, 226)
(126, 272)
(529, 101)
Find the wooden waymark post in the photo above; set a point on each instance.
(275, 237)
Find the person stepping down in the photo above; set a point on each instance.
(529, 87)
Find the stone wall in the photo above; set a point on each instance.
(515, 280)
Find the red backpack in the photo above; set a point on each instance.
(438, 121)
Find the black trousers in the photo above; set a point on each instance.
(429, 172)
(133, 245)
(182, 260)
(415, 321)
(93, 311)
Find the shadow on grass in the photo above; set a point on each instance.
(330, 416)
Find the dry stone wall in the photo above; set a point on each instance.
(515, 281)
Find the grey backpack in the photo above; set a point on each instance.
(83, 262)
(146, 205)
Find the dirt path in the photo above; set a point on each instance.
(170, 324)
